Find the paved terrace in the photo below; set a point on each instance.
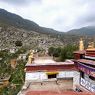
(52, 87)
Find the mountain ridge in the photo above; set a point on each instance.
(14, 27)
(12, 19)
(88, 30)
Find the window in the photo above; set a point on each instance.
(82, 74)
(52, 76)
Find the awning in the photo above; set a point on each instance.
(51, 73)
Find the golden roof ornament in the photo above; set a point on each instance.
(81, 45)
(91, 46)
(30, 58)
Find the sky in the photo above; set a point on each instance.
(61, 15)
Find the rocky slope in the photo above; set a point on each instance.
(9, 35)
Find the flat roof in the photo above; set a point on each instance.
(44, 61)
(80, 52)
(47, 61)
(57, 63)
(86, 61)
(61, 87)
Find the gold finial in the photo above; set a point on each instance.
(30, 58)
(91, 45)
(81, 45)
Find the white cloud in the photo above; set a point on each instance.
(62, 15)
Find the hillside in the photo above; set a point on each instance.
(11, 19)
(14, 27)
(89, 31)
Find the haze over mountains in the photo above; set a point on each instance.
(12, 26)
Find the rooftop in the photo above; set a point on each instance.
(80, 52)
(44, 61)
(47, 61)
(52, 87)
(91, 62)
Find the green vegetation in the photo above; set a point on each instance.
(54, 51)
(16, 80)
(17, 75)
(67, 52)
(63, 53)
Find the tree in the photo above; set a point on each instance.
(18, 43)
(67, 52)
(56, 52)
(63, 53)
(51, 51)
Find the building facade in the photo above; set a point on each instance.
(77, 75)
(85, 62)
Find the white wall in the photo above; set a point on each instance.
(76, 79)
(62, 74)
(65, 74)
(43, 75)
(35, 76)
(70, 74)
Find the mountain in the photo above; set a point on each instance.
(11, 19)
(88, 31)
(14, 27)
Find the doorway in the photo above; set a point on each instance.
(52, 76)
